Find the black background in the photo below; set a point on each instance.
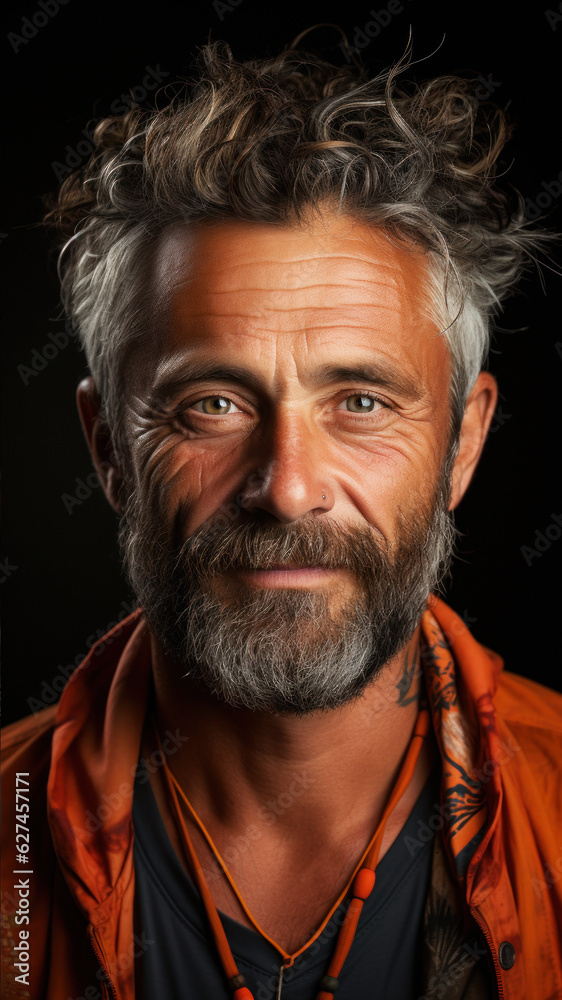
(61, 580)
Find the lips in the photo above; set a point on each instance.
(287, 575)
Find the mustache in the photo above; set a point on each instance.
(154, 544)
(254, 544)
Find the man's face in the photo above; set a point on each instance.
(292, 408)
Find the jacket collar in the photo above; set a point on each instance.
(96, 746)
(461, 679)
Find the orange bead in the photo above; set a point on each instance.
(242, 994)
(325, 996)
(363, 883)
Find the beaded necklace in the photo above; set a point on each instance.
(361, 884)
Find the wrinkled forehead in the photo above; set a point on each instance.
(331, 278)
(220, 256)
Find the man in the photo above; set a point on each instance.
(291, 772)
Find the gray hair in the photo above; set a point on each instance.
(266, 141)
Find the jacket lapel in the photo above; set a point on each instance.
(90, 789)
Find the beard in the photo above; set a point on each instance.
(281, 650)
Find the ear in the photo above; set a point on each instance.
(478, 414)
(99, 441)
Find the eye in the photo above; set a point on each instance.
(361, 402)
(213, 405)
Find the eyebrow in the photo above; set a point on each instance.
(385, 375)
(382, 374)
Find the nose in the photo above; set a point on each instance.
(292, 480)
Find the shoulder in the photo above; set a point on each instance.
(31, 737)
(26, 744)
(27, 730)
(26, 761)
(530, 717)
(527, 705)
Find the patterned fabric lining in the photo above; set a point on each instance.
(464, 807)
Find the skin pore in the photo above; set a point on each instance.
(306, 325)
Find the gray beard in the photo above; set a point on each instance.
(280, 650)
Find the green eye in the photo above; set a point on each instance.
(214, 405)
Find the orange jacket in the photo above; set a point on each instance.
(74, 766)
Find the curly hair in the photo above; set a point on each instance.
(266, 140)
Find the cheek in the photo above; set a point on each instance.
(395, 474)
(195, 484)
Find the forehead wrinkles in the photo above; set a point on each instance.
(284, 285)
(360, 296)
(239, 256)
(240, 279)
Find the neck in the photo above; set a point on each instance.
(238, 766)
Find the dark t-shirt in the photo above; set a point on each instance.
(177, 958)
